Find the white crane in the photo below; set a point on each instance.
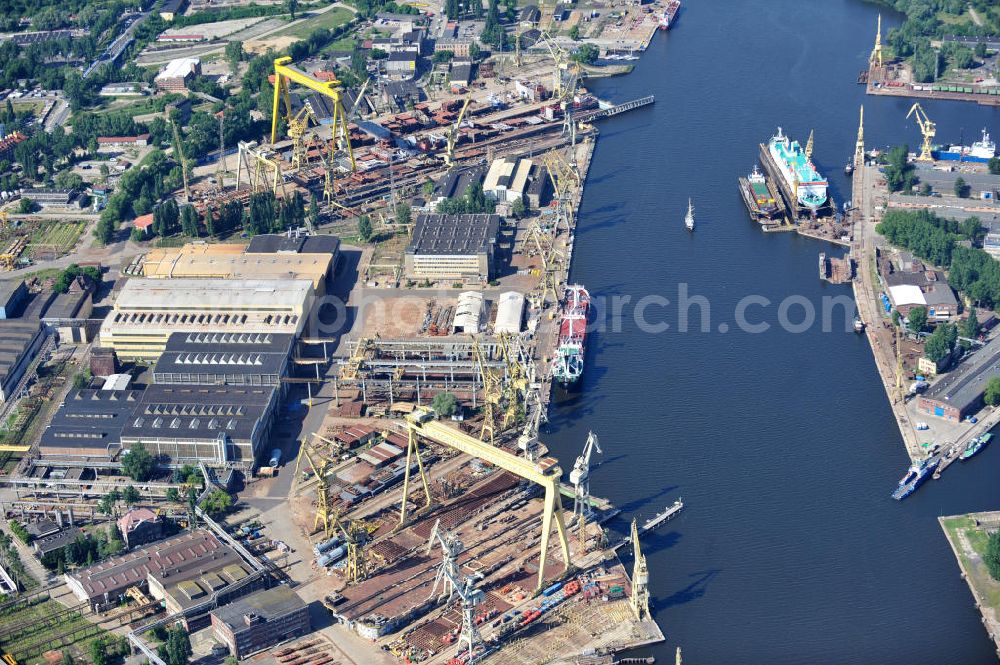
(448, 571)
(580, 477)
(471, 597)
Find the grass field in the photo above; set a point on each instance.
(328, 19)
(37, 629)
(55, 238)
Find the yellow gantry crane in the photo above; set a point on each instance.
(449, 154)
(298, 125)
(263, 172)
(179, 154)
(492, 393)
(284, 75)
(320, 470)
(927, 128)
(545, 472)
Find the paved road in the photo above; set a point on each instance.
(866, 295)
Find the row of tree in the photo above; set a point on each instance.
(85, 550)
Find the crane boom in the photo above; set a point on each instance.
(927, 128)
(449, 155)
(179, 150)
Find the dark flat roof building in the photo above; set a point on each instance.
(13, 294)
(960, 392)
(452, 247)
(456, 181)
(236, 359)
(20, 340)
(89, 423)
(277, 243)
(212, 424)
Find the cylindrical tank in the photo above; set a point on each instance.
(331, 557)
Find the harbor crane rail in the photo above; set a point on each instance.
(927, 128)
(546, 473)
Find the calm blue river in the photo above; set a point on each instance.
(781, 442)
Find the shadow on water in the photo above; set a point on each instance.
(693, 591)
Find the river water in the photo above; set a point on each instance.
(781, 443)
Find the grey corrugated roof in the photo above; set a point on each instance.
(269, 604)
(225, 353)
(90, 419)
(16, 335)
(274, 243)
(966, 384)
(454, 234)
(198, 412)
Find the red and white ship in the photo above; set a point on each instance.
(567, 362)
(667, 17)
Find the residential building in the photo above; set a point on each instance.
(171, 9)
(54, 542)
(148, 311)
(530, 16)
(458, 46)
(9, 142)
(261, 620)
(140, 526)
(13, 295)
(460, 74)
(456, 182)
(908, 284)
(177, 74)
(452, 247)
(959, 393)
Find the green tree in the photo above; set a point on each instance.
(217, 502)
(365, 228)
(992, 557)
(574, 33)
(314, 211)
(178, 646)
(980, 50)
(403, 213)
(917, 319)
(173, 495)
(926, 189)
(962, 188)
(444, 404)
(130, 496)
(899, 172)
(138, 464)
(442, 56)
(518, 209)
(992, 394)
(292, 5)
(941, 342)
(586, 54)
(234, 54)
(98, 652)
(970, 326)
(428, 187)
(25, 206)
(994, 165)
(474, 51)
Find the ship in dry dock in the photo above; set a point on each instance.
(762, 198)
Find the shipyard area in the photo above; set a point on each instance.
(285, 400)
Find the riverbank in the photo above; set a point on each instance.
(967, 535)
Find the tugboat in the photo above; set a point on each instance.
(848, 168)
(689, 217)
(915, 477)
(976, 445)
(859, 325)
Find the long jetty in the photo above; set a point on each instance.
(622, 108)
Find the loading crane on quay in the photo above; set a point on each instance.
(580, 478)
(927, 128)
(449, 154)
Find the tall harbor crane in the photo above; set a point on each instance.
(471, 597)
(220, 166)
(927, 128)
(640, 579)
(492, 393)
(179, 154)
(580, 477)
(355, 537)
(298, 125)
(263, 171)
(320, 471)
(875, 59)
(449, 154)
(809, 146)
(448, 571)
